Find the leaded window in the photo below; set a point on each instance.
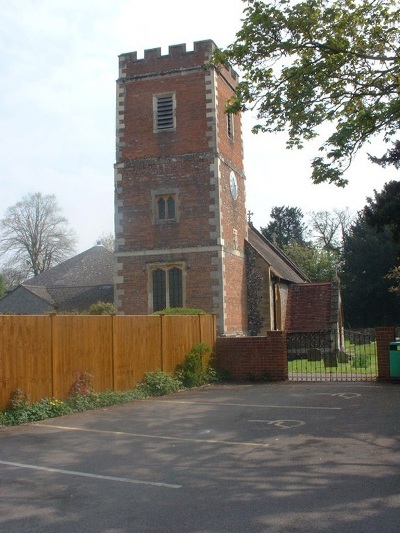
(166, 209)
(167, 287)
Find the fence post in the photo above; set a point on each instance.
(162, 325)
(53, 352)
(199, 322)
(113, 340)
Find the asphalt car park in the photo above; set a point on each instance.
(288, 457)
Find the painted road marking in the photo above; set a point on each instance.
(284, 424)
(256, 405)
(158, 437)
(345, 395)
(92, 476)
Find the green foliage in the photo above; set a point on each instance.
(317, 63)
(368, 256)
(102, 308)
(286, 226)
(392, 157)
(159, 383)
(383, 211)
(316, 264)
(194, 372)
(180, 311)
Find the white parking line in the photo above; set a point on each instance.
(93, 476)
(159, 437)
(256, 405)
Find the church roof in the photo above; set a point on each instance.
(72, 285)
(91, 267)
(281, 266)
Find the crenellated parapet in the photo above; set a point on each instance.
(178, 57)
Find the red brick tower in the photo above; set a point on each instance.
(180, 214)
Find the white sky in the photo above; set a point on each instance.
(58, 66)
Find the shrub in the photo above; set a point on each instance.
(18, 400)
(159, 383)
(180, 311)
(102, 308)
(83, 384)
(193, 372)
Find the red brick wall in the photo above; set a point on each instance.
(253, 357)
(199, 288)
(193, 162)
(384, 336)
(135, 210)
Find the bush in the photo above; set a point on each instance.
(193, 372)
(83, 385)
(180, 311)
(102, 308)
(159, 383)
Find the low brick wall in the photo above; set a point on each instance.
(384, 336)
(253, 358)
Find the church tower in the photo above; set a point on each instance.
(180, 213)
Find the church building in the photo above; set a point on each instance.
(182, 234)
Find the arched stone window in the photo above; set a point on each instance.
(167, 287)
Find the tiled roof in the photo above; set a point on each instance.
(281, 266)
(72, 285)
(91, 267)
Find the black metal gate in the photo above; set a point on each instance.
(329, 356)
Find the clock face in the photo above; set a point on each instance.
(233, 184)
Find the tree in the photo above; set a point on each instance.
(286, 226)
(384, 210)
(314, 62)
(107, 240)
(316, 263)
(392, 157)
(34, 235)
(330, 228)
(368, 257)
(12, 276)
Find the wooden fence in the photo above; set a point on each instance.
(42, 355)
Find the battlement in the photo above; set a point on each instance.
(178, 54)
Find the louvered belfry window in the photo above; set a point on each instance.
(165, 112)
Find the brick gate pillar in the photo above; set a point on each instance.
(384, 336)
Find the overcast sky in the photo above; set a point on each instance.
(58, 66)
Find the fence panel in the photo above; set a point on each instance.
(43, 355)
(25, 357)
(208, 331)
(137, 349)
(82, 344)
(179, 335)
